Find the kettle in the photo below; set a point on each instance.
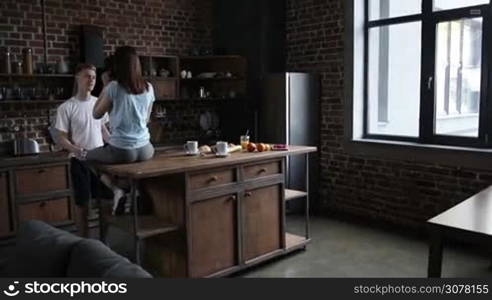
(25, 146)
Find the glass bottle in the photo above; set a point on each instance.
(28, 61)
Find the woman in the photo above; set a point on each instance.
(128, 99)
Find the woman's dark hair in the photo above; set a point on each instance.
(109, 65)
(128, 71)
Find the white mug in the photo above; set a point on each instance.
(222, 148)
(191, 147)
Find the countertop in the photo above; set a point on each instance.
(54, 157)
(173, 162)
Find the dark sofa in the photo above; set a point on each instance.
(44, 251)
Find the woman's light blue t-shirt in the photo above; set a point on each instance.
(128, 117)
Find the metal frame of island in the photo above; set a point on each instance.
(205, 216)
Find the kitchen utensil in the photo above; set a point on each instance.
(206, 121)
(25, 146)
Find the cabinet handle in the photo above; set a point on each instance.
(42, 204)
(213, 179)
(232, 198)
(41, 171)
(264, 170)
(248, 194)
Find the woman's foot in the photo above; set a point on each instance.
(118, 195)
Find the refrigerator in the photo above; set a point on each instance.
(288, 113)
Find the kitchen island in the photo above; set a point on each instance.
(205, 216)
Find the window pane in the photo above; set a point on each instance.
(394, 79)
(384, 9)
(451, 4)
(458, 77)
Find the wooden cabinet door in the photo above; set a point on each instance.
(5, 228)
(54, 211)
(213, 235)
(261, 221)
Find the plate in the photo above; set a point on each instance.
(192, 154)
(221, 155)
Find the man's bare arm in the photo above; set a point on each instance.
(62, 140)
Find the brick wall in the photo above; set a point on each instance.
(155, 27)
(399, 192)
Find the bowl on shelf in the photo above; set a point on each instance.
(206, 75)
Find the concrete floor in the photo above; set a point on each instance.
(343, 249)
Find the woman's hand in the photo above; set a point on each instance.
(106, 78)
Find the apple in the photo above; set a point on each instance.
(251, 147)
(261, 147)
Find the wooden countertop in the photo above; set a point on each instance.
(473, 214)
(173, 162)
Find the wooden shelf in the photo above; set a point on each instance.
(214, 57)
(293, 194)
(294, 241)
(148, 226)
(37, 75)
(159, 78)
(200, 99)
(211, 79)
(31, 101)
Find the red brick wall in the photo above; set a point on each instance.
(155, 27)
(399, 192)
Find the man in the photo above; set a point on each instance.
(77, 132)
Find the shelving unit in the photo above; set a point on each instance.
(37, 75)
(163, 72)
(36, 88)
(148, 226)
(225, 76)
(293, 194)
(294, 241)
(31, 101)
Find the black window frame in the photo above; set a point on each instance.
(430, 19)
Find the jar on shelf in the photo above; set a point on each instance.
(6, 62)
(17, 66)
(28, 67)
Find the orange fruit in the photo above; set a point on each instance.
(251, 147)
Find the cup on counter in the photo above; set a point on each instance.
(244, 140)
(222, 148)
(191, 148)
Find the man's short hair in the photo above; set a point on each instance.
(84, 66)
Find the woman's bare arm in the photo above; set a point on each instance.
(103, 105)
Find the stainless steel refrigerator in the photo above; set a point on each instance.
(288, 113)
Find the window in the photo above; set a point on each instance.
(425, 77)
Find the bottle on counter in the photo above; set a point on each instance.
(28, 69)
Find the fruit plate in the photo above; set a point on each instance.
(280, 148)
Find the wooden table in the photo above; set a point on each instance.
(209, 216)
(470, 220)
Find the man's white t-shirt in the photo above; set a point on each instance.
(74, 117)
